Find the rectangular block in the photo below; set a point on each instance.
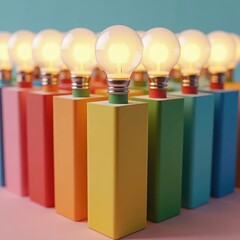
(70, 155)
(236, 86)
(224, 142)
(165, 149)
(40, 146)
(197, 148)
(15, 138)
(117, 167)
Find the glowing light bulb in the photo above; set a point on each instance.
(236, 40)
(5, 63)
(222, 52)
(140, 67)
(20, 50)
(195, 50)
(119, 51)
(47, 50)
(161, 51)
(78, 51)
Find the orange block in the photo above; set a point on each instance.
(70, 155)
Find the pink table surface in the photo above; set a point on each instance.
(21, 219)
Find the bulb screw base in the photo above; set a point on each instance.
(217, 81)
(80, 86)
(50, 82)
(190, 84)
(5, 77)
(118, 91)
(158, 87)
(24, 79)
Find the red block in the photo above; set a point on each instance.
(40, 146)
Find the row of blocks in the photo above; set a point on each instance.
(146, 159)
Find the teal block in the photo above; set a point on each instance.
(197, 150)
(165, 148)
(224, 142)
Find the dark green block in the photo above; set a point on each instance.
(164, 156)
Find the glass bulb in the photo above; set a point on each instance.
(161, 51)
(5, 62)
(20, 50)
(236, 40)
(119, 51)
(195, 51)
(46, 48)
(140, 67)
(222, 51)
(78, 51)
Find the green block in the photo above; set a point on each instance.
(165, 149)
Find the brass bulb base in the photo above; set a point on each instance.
(217, 80)
(5, 74)
(190, 84)
(158, 83)
(139, 76)
(117, 86)
(80, 83)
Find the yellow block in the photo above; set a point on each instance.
(70, 155)
(131, 93)
(232, 85)
(117, 167)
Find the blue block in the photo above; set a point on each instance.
(225, 142)
(197, 148)
(1, 144)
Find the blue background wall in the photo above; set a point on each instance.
(177, 15)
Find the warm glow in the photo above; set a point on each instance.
(82, 53)
(24, 52)
(219, 52)
(3, 52)
(50, 52)
(118, 53)
(191, 53)
(158, 53)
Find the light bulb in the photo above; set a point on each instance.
(222, 52)
(5, 63)
(118, 52)
(78, 53)
(236, 40)
(161, 52)
(195, 50)
(47, 51)
(221, 56)
(140, 67)
(20, 50)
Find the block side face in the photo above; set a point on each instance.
(101, 130)
(170, 150)
(35, 141)
(131, 169)
(64, 157)
(165, 147)
(40, 141)
(201, 159)
(238, 146)
(2, 177)
(80, 154)
(225, 143)
(15, 141)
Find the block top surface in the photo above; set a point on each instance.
(207, 90)
(200, 94)
(169, 98)
(71, 97)
(106, 103)
(41, 92)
